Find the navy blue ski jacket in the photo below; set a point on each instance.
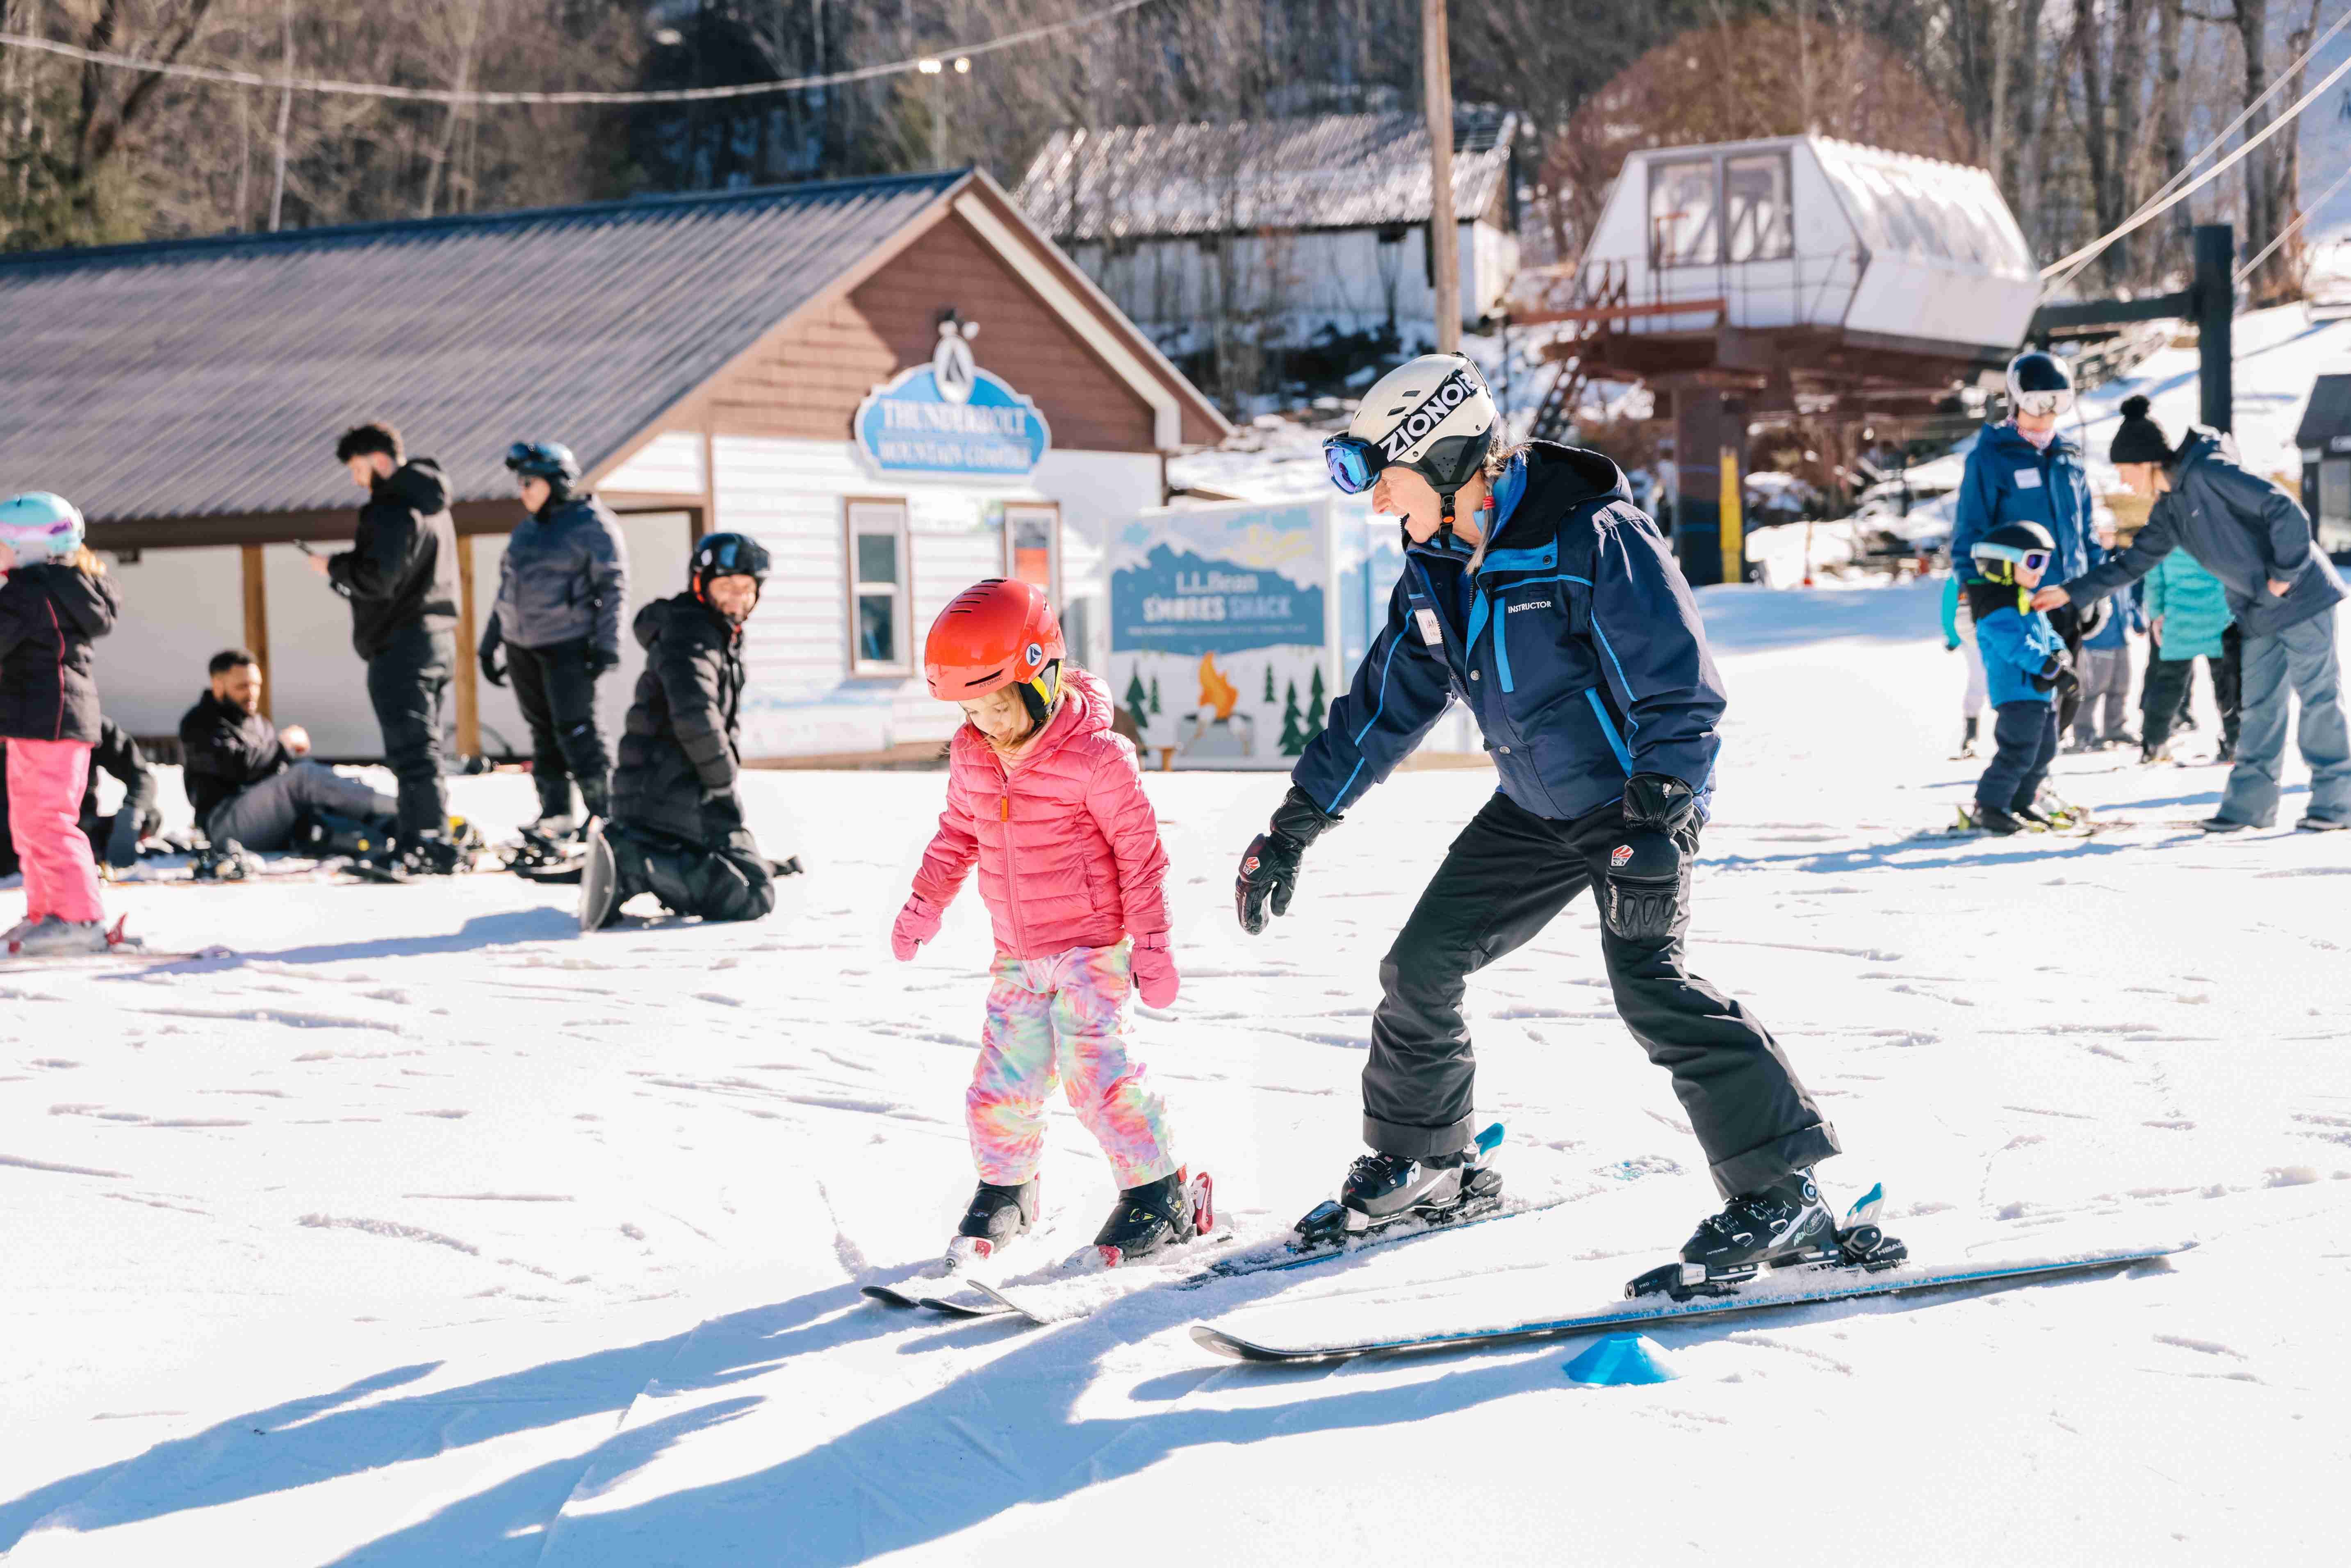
(1576, 643)
(2010, 480)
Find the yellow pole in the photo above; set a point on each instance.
(1734, 533)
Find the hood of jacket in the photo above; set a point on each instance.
(419, 484)
(1084, 710)
(89, 603)
(1554, 477)
(681, 614)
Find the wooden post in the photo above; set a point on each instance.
(1444, 235)
(469, 711)
(256, 620)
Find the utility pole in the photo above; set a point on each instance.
(1444, 235)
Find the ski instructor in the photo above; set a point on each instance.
(1535, 591)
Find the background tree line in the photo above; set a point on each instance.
(2082, 108)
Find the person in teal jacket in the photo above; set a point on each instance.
(1959, 637)
(2188, 613)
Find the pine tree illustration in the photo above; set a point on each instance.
(1269, 686)
(1293, 739)
(1315, 706)
(1155, 697)
(1138, 701)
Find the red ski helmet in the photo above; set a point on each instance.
(992, 634)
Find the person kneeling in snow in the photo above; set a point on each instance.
(2025, 666)
(677, 827)
(253, 784)
(1050, 805)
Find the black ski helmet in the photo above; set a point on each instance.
(726, 555)
(548, 460)
(2039, 383)
(1999, 553)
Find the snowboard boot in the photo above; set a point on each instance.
(1383, 1189)
(997, 1214)
(1784, 1224)
(600, 894)
(1167, 1212)
(227, 861)
(432, 855)
(554, 798)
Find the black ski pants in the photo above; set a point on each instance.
(2170, 685)
(728, 881)
(2026, 733)
(406, 682)
(558, 698)
(1504, 879)
(2066, 621)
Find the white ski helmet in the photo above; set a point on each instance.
(2039, 384)
(1432, 415)
(40, 527)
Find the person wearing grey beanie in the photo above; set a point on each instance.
(2282, 590)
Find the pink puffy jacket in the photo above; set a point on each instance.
(1068, 847)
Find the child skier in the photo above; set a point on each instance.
(1050, 805)
(2024, 662)
(54, 599)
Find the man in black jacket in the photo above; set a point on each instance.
(562, 584)
(677, 827)
(245, 780)
(138, 817)
(401, 577)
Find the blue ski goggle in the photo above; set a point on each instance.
(2030, 560)
(1354, 463)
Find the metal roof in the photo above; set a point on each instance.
(211, 377)
(1334, 171)
(2329, 414)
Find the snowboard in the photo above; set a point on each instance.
(1787, 1288)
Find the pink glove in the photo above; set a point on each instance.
(1154, 970)
(916, 923)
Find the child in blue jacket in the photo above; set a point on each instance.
(2025, 663)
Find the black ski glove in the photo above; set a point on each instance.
(600, 660)
(493, 670)
(1269, 870)
(2054, 671)
(1643, 896)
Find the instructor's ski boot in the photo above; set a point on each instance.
(1163, 1212)
(997, 1215)
(1383, 1189)
(1787, 1225)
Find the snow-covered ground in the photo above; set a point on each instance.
(424, 1231)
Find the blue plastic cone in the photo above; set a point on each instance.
(1621, 1358)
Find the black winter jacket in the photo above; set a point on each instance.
(401, 567)
(2240, 528)
(49, 614)
(115, 753)
(225, 751)
(564, 578)
(678, 749)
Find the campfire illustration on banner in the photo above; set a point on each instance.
(1217, 731)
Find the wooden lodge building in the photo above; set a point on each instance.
(898, 385)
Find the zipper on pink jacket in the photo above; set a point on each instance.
(1012, 872)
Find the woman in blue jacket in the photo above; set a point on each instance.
(1535, 592)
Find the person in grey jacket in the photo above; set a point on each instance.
(562, 586)
(2281, 587)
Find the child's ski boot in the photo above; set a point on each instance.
(1383, 1189)
(996, 1215)
(1163, 1212)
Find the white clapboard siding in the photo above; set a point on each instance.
(667, 466)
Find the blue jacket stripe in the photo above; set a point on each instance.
(1394, 643)
(1615, 742)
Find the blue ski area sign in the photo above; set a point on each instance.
(951, 417)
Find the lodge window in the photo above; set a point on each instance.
(879, 574)
(1032, 546)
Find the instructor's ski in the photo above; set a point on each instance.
(1787, 1288)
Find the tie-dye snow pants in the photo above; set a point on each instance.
(1063, 1017)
